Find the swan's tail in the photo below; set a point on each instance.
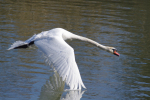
(22, 44)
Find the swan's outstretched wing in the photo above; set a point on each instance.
(61, 55)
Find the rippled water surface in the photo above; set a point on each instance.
(121, 24)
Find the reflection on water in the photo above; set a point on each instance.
(54, 89)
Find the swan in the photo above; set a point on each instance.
(60, 54)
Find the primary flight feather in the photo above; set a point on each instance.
(60, 54)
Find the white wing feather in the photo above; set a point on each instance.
(62, 58)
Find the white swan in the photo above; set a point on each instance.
(61, 55)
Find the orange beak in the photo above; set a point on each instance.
(116, 53)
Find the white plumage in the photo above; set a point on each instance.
(59, 53)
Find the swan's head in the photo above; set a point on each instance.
(113, 50)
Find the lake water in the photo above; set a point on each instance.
(124, 25)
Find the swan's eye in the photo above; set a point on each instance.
(114, 49)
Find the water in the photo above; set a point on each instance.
(121, 24)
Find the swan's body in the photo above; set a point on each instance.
(61, 55)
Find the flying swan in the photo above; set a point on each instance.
(61, 55)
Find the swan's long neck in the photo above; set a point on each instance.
(88, 40)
